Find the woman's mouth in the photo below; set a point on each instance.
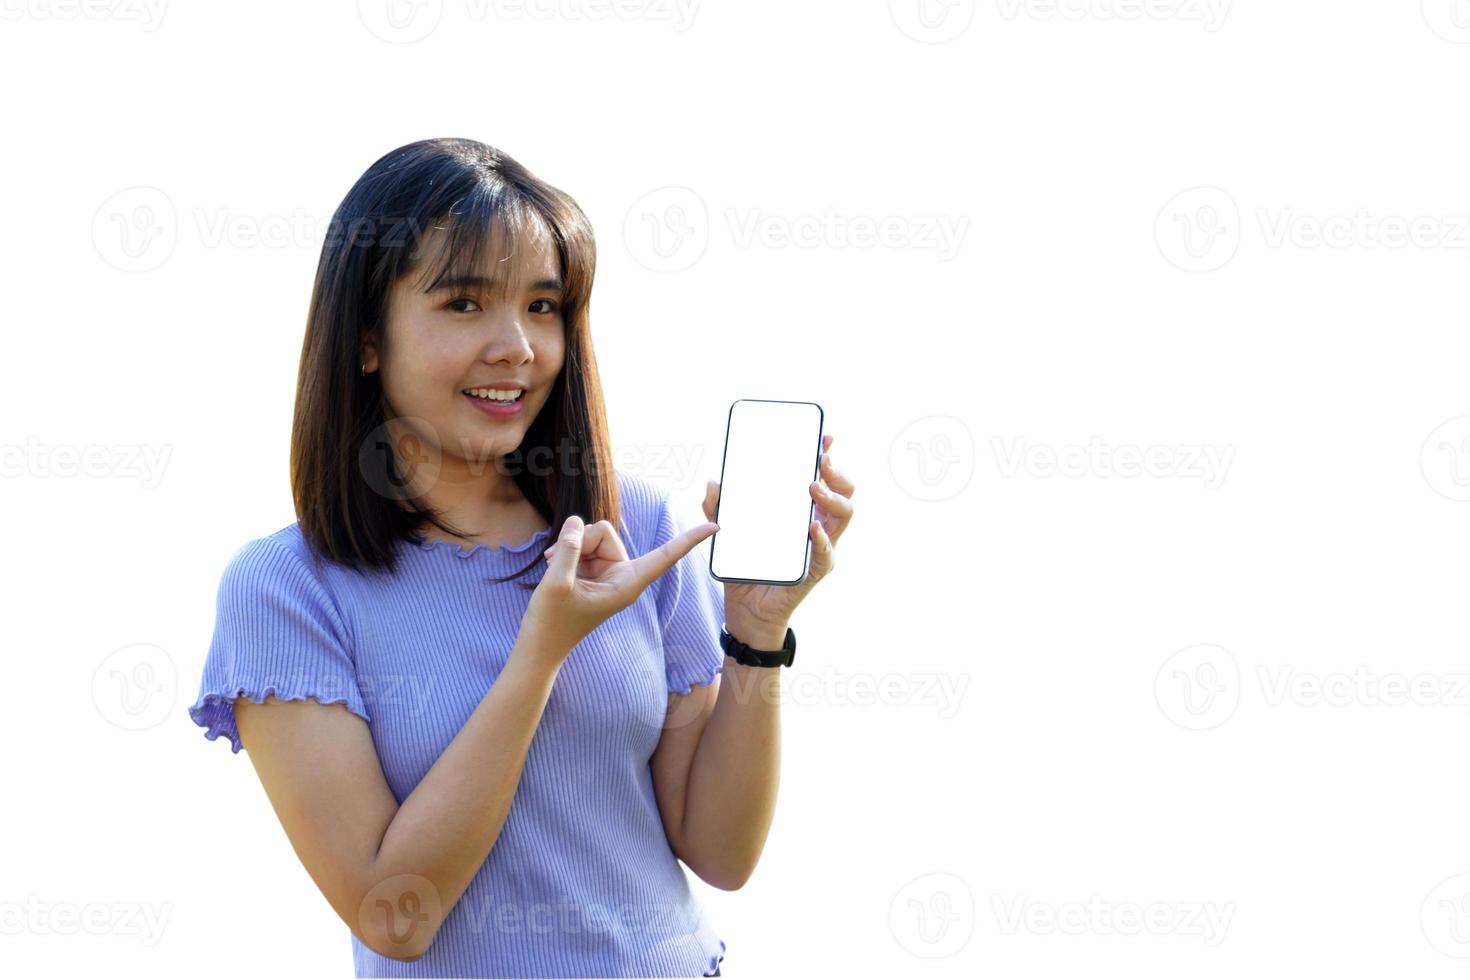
(494, 402)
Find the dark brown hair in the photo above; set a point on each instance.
(348, 513)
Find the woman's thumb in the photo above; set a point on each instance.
(568, 549)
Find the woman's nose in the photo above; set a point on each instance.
(506, 332)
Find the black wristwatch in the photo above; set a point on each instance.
(759, 658)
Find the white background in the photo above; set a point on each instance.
(1175, 228)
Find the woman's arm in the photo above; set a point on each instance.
(394, 872)
(718, 762)
(718, 765)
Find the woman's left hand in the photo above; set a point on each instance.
(771, 606)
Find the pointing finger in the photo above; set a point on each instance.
(654, 563)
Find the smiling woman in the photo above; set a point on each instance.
(396, 682)
(454, 269)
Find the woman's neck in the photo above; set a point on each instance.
(491, 523)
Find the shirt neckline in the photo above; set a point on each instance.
(460, 551)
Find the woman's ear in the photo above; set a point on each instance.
(369, 356)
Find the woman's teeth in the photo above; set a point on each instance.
(494, 394)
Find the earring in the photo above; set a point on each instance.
(364, 370)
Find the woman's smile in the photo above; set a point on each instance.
(495, 408)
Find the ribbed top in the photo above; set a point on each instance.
(581, 881)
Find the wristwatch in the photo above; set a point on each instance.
(759, 658)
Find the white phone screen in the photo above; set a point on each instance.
(772, 452)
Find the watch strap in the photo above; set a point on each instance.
(751, 657)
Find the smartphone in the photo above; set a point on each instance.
(773, 452)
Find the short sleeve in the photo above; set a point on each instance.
(691, 610)
(276, 632)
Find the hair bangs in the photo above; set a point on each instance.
(484, 231)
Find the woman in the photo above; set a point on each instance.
(489, 776)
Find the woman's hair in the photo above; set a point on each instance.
(347, 511)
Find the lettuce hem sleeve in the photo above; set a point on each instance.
(691, 610)
(215, 711)
(682, 677)
(278, 631)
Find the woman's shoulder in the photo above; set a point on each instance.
(287, 541)
(279, 570)
(283, 553)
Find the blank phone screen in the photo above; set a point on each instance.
(772, 449)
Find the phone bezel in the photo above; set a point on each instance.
(806, 560)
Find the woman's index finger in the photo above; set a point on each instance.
(654, 563)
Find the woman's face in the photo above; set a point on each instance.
(504, 329)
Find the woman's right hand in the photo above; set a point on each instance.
(590, 577)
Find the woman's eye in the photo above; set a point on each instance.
(548, 306)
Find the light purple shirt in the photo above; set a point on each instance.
(582, 881)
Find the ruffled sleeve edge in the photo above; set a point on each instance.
(215, 711)
(681, 678)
